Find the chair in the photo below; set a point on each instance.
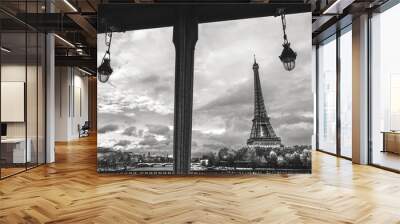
(84, 130)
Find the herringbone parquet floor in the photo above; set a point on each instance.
(70, 191)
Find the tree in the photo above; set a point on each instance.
(231, 158)
(296, 161)
(273, 159)
(241, 154)
(282, 162)
(260, 152)
(306, 158)
(212, 160)
(125, 159)
(253, 158)
(223, 154)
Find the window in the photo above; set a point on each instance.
(22, 87)
(385, 89)
(346, 93)
(15, 145)
(327, 96)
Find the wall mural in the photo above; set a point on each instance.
(250, 114)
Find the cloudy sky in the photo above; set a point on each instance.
(136, 105)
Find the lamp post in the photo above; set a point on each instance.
(105, 69)
(288, 56)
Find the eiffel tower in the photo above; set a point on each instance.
(262, 134)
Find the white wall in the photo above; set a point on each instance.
(69, 112)
(33, 126)
(61, 103)
(80, 104)
(17, 73)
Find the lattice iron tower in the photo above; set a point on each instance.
(262, 134)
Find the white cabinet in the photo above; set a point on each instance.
(19, 154)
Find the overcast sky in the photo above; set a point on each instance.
(136, 105)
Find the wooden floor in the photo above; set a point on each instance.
(70, 191)
(387, 159)
(5, 172)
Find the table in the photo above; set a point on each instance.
(391, 141)
(13, 150)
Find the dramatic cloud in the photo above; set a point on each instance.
(149, 140)
(212, 146)
(140, 133)
(108, 128)
(158, 129)
(123, 143)
(130, 131)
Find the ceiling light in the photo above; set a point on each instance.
(84, 71)
(288, 56)
(70, 5)
(105, 70)
(64, 40)
(337, 7)
(5, 50)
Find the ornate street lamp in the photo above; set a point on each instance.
(288, 56)
(105, 69)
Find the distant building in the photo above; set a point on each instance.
(204, 162)
(262, 134)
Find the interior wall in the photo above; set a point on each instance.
(71, 102)
(82, 83)
(61, 103)
(32, 127)
(16, 73)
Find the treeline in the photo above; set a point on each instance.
(121, 160)
(297, 157)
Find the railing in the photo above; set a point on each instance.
(214, 172)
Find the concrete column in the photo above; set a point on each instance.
(360, 90)
(50, 99)
(314, 92)
(184, 38)
(50, 92)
